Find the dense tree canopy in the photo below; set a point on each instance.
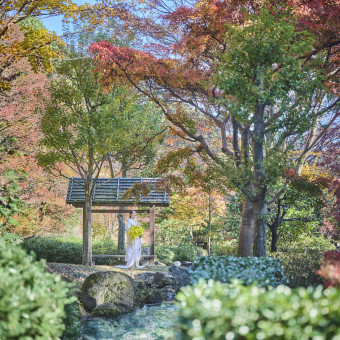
(249, 90)
(33, 42)
(84, 128)
(257, 73)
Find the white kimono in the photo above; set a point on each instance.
(133, 249)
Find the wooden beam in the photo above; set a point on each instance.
(122, 256)
(117, 204)
(117, 211)
(152, 232)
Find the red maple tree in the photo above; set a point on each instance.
(178, 69)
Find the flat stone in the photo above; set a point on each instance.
(177, 264)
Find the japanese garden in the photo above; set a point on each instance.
(169, 169)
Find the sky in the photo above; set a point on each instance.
(55, 23)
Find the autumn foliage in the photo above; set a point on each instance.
(330, 269)
(35, 198)
(235, 64)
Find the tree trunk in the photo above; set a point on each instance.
(209, 224)
(152, 233)
(245, 239)
(87, 232)
(273, 245)
(111, 223)
(259, 203)
(275, 225)
(121, 219)
(260, 226)
(121, 233)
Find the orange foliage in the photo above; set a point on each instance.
(20, 134)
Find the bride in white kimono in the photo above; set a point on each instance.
(133, 249)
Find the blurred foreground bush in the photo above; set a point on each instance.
(265, 271)
(215, 311)
(32, 301)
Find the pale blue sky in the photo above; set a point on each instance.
(55, 23)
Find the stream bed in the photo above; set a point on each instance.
(153, 322)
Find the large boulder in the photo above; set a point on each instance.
(154, 296)
(142, 290)
(108, 293)
(181, 276)
(161, 280)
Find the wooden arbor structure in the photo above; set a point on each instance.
(109, 192)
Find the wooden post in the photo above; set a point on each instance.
(84, 226)
(87, 235)
(209, 223)
(152, 233)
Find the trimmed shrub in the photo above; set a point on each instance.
(54, 250)
(32, 301)
(165, 255)
(305, 243)
(68, 250)
(264, 271)
(201, 251)
(227, 248)
(301, 267)
(105, 247)
(183, 252)
(215, 311)
(330, 269)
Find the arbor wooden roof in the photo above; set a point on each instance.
(109, 192)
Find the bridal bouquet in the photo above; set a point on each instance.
(135, 232)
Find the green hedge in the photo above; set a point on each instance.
(68, 250)
(301, 267)
(265, 271)
(32, 301)
(215, 311)
(54, 250)
(182, 252)
(188, 252)
(165, 254)
(226, 248)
